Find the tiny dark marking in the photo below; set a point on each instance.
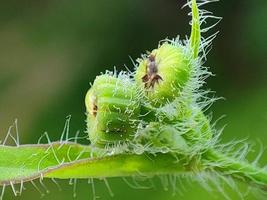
(94, 107)
(151, 77)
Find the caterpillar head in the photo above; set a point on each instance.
(163, 73)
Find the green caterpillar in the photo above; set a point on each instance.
(124, 110)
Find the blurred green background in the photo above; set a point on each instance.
(51, 50)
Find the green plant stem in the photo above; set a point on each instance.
(195, 36)
(240, 170)
(122, 165)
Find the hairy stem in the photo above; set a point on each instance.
(195, 36)
(240, 170)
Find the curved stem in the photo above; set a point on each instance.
(240, 170)
(195, 30)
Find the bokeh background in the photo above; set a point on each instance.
(51, 50)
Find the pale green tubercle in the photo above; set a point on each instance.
(195, 36)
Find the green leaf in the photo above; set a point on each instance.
(28, 162)
(69, 160)
(65, 160)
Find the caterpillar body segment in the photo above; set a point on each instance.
(113, 110)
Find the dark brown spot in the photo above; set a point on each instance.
(152, 77)
(94, 107)
(95, 110)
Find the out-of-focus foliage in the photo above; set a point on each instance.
(51, 50)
